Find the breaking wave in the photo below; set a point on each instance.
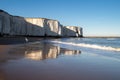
(93, 46)
(110, 39)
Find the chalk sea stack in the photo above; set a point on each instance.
(20, 26)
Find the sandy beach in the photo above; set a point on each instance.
(30, 52)
(44, 61)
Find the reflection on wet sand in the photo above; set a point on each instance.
(86, 66)
(40, 51)
(2, 75)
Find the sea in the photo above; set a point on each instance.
(108, 44)
(62, 59)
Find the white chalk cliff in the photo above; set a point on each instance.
(20, 26)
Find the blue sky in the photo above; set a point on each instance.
(97, 17)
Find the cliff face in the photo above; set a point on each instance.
(15, 25)
(4, 22)
(35, 26)
(44, 27)
(72, 31)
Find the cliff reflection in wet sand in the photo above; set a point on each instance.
(40, 51)
(20, 70)
(41, 61)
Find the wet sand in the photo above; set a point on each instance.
(43, 61)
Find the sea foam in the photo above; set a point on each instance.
(94, 46)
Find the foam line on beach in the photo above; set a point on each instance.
(109, 48)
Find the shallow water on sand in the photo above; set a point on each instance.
(43, 61)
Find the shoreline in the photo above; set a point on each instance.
(23, 39)
(18, 40)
